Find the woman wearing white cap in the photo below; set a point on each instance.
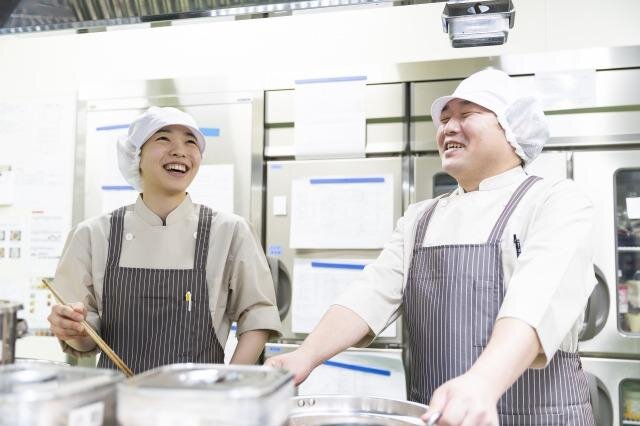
(492, 278)
(163, 279)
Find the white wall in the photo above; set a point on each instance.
(271, 52)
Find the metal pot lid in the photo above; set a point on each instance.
(36, 381)
(27, 377)
(331, 410)
(7, 306)
(349, 420)
(20, 360)
(244, 381)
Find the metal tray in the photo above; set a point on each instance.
(225, 381)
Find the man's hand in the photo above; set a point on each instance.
(323, 342)
(66, 321)
(297, 362)
(467, 400)
(472, 398)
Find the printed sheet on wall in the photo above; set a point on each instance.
(36, 196)
(341, 212)
(377, 374)
(316, 285)
(364, 372)
(330, 117)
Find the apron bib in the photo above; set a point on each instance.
(451, 301)
(146, 317)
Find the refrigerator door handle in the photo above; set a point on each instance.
(597, 309)
(282, 285)
(593, 394)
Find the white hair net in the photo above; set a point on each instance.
(520, 115)
(142, 128)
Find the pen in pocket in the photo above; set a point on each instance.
(187, 298)
(516, 242)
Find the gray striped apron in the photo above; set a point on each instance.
(451, 302)
(146, 318)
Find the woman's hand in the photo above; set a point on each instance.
(66, 321)
(66, 325)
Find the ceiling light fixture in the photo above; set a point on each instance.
(478, 23)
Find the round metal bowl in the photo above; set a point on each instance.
(345, 410)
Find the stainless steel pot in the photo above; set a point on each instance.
(206, 394)
(10, 329)
(38, 393)
(343, 410)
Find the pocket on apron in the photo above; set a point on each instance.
(485, 305)
(171, 324)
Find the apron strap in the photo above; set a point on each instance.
(498, 228)
(423, 223)
(115, 237)
(202, 238)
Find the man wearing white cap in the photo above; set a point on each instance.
(492, 278)
(163, 279)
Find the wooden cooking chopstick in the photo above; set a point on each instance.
(94, 336)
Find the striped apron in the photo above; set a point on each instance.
(146, 318)
(451, 302)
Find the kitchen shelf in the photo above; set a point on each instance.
(630, 249)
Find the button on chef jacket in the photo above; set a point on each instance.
(547, 286)
(238, 278)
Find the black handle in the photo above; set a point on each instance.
(593, 394)
(597, 309)
(21, 328)
(282, 285)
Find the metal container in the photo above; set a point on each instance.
(337, 410)
(206, 394)
(34, 394)
(10, 329)
(19, 360)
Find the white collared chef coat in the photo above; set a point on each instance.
(547, 286)
(238, 278)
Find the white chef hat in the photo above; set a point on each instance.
(520, 115)
(142, 128)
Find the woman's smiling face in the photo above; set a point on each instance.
(169, 160)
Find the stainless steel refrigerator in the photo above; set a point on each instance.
(612, 179)
(330, 192)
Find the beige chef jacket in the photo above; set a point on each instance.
(239, 281)
(547, 286)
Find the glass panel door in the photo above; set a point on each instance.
(443, 183)
(630, 402)
(627, 222)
